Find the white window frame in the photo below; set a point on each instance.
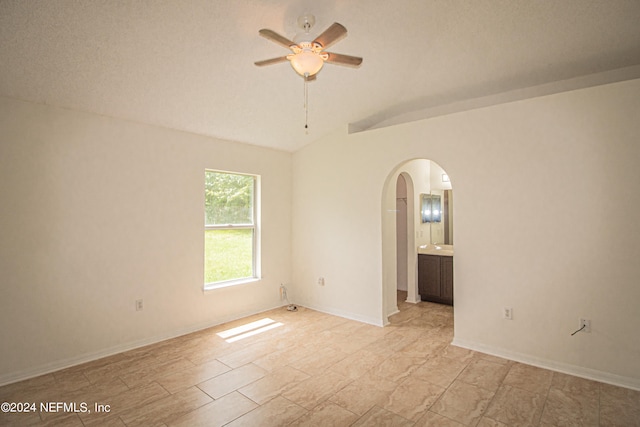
(256, 264)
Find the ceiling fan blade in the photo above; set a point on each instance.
(339, 59)
(276, 38)
(331, 35)
(271, 61)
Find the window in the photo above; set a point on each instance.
(230, 230)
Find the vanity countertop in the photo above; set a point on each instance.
(441, 250)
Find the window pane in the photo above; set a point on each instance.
(228, 255)
(228, 198)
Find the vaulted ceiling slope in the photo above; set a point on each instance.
(189, 64)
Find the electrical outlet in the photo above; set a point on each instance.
(139, 305)
(586, 323)
(321, 281)
(507, 313)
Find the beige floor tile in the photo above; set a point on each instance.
(412, 398)
(619, 406)
(110, 421)
(351, 344)
(424, 347)
(516, 407)
(488, 422)
(483, 373)
(381, 417)
(319, 322)
(494, 359)
(217, 413)
(426, 322)
(35, 387)
(458, 353)
(411, 312)
(19, 418)
(242, 322)
(245, 355)
(410, 334)
(70, 379)
(530, 378)
(179, 346)
(319, 361)
(277, 412)
(333, 371)
(273, 384)
(357, 364)
(65, 420)
(440, 370)
(40, 389)
(312, 391)
(191, 376)
(150, 373)
(353, 328)
(114, 358)
(166, 409)
(100, 393)
(204, 354)
(233, 380)
(463, 402)
(359, 396)
(431, 419)
(565, 408)
(122, 402)
(280, 358)
(389, 344)
(398, 367)
(575, 385)
(326, 414)
(103, 372)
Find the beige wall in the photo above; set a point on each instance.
(534, 184)
(97, 212)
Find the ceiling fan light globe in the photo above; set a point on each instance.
(306, 63)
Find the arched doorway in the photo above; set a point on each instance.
(420, 176)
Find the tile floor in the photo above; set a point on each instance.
(308, 368)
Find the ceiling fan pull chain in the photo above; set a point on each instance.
(306, 107)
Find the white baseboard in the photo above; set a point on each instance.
(578, 371)
(57, 365)
(386, 318)
(346, 315)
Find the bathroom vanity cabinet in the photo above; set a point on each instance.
(435, 278)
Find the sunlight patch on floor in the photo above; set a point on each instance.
(248, 330)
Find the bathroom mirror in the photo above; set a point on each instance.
(430, 209)
(442, 228)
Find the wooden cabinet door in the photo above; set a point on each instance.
(446, 276)
(429, 276)
(435, 278)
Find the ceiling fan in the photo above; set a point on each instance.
(309, 54)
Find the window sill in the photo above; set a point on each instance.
(219, 285)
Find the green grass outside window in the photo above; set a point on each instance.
(228, 255)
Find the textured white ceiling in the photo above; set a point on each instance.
(188, 64)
